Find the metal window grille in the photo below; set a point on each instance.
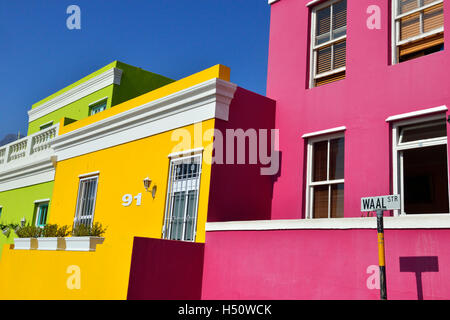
(182, 199)
(87, 193)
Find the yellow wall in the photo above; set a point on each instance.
(104, 273)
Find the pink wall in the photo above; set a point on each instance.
(314, 264)
(372, 91)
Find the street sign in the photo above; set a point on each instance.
(380, 203)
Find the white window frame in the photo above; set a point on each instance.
(92, 105)
(78, 206)
(197, 153)
(397, 157)
(395, 23)
(38, 204)
(309, 167)
(314, 48)
(45, 125)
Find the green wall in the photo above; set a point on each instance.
(19, 203)
(135, 82)
(76, 110)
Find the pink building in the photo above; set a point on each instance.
(362, 102)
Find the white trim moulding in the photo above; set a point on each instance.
(85, 175)
(186, 153)
(42, 201)
(103, 80)
(314, 2)
(328, 131)
(208, 100)
(399, 222)
(416, 113)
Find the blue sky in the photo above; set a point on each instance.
(40, 55)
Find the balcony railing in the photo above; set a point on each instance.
(28, 148)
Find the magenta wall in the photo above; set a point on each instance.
(239, 191)
(165, 270)
(372, 91)
(314, 264)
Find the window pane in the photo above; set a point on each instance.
(323, 60)
(320, 206)
(337, 201)
(433, 18)
(427, 130)
(98, 107)
(410, 26)
(337, 150)
(426, 180)
(339, 55)
(190, 217)
(319, 161)
(339, 19)
(42, 215)
(178, 216)
(323, 25)
(406, 5)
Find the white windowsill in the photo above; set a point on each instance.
(438, 221)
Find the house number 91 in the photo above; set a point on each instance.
(127, 200)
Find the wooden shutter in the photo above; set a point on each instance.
(339, 19)
(339, 54)
(332, 78)
(405, 6)
(323, 60)
(410, 26)
(422, 44)
(433, 18)
(323, 18)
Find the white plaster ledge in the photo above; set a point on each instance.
(401, 222)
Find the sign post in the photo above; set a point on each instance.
(381, 256)
(380, 204)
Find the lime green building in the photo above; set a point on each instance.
(27, 166)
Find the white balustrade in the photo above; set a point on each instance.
(28, 147)
(2, 155)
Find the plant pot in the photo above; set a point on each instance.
(25, 244)
(51, 244)
(83, 243)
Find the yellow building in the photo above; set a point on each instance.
(141, 169)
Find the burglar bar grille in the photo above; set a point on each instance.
(87, 193)
(182, 199)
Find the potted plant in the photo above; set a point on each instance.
(85, 238)
(53, 237)
(27, 237)
(5, 230)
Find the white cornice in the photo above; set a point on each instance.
(401, 222)
(416, 113)
(31, 173)
(207, 100)
(323, 132)
(107, 78)
(272, 1)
